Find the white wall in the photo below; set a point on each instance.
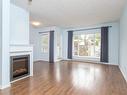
(113, 41)
(19, 26)
(34, 41)
(64, 43)
(0, 41)
(123, 43)
(4, 41)
(56, 38)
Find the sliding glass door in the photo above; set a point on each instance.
(87, 44)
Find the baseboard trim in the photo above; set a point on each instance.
(109, 63)
(89, 61)
(40, 60)
(123, 73)
(5, 86)
(47, 61)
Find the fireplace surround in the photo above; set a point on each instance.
(20, 66)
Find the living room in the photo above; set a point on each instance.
(67, 47)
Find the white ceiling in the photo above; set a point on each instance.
(72, 13)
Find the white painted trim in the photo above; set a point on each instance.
(122, 71)
(66, 59)
(58, 60)
(41, 60)
(20, 79)
(92, 61)
(109, 63)
(47, 60)
(5, 86)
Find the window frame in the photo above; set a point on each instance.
(85, 33)
(41, 35)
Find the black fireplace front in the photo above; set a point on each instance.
(20, 66)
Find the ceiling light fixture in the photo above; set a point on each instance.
(36, 23)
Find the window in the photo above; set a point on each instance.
(44, 43)
(87, 44)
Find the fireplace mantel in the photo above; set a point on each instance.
(21, 48)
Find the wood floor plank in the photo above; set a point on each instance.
(70, 78)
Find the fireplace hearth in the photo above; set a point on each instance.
(20, 66)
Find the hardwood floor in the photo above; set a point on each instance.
(70, 78)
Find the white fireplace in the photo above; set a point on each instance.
(19, 51)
